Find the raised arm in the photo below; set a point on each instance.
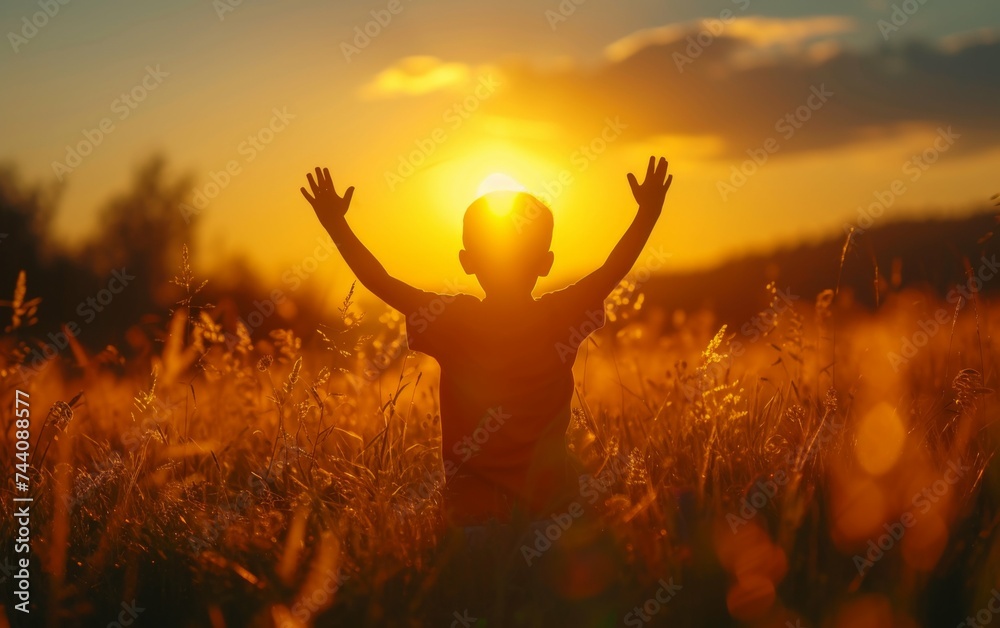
(650, 196)
(331, 210)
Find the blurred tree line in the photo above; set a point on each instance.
(140, 230)
(141, 233)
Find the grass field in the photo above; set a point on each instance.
(817, 465)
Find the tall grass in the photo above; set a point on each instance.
(233, 480)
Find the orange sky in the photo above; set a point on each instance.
(565, 108)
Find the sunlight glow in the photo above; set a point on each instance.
(499, 182)
(501, 202)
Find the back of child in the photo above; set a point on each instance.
(506, 360)
(506, 392)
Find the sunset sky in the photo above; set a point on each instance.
(508, 87)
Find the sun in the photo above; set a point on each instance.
(499, 182)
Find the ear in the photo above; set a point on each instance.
(466, 259)
(545, 263)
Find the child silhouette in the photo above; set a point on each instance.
(506, 360)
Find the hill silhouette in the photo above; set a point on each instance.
(902, 254)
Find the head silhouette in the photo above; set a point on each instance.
(506, 236)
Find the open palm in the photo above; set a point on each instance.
(651, 193)
(325, 201)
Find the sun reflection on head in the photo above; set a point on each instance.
(499, 182)
(500, 191)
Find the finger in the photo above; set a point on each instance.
(651, 168)
(328, 181)
(312, 184)
(306, 194)
(667, 185)
(633, 183)
(319, 177)
(348, 195)
(661, 169)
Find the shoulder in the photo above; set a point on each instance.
(574, 295)
(575, 303)
(460, 300)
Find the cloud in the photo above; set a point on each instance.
(958, 41)
(771, 32)
(719, 95)
(634, 42)
(417, 75)
(758, 33)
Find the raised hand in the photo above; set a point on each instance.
(651, 193)
(324, 200)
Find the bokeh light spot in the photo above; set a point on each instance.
(880, 438)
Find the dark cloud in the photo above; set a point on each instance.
(874, 91)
